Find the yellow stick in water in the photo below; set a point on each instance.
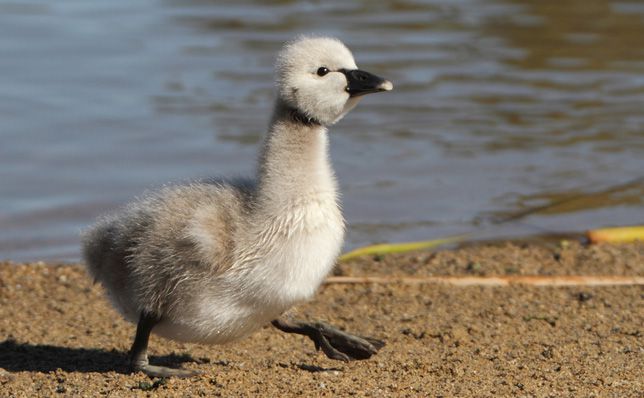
(387, 248)
(618, 234)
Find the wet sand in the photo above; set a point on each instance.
(60, 337)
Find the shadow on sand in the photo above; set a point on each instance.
(18, 357)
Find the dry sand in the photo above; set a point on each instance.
(59, 336)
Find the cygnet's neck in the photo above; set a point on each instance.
(294, 163)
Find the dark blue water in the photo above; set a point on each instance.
(499, 106)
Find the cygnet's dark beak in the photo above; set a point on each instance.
(361, 83)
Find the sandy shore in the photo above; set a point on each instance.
(59, 336)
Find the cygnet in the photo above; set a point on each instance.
(213, 261)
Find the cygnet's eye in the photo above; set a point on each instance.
(322, 71)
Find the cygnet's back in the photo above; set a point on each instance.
(161, 252)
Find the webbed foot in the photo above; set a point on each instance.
(335, 343)
(162, 371)
(139, 356)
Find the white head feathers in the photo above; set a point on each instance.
(314, 78)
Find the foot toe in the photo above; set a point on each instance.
(337, 355)
(162, 371)
(356, 347)
(377, 344)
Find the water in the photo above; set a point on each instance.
(499, 106)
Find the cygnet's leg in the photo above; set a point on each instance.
(139, 352)
(335, 343)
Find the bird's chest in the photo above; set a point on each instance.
(306, 242)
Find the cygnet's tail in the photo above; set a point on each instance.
(106, 261)
(99, 243)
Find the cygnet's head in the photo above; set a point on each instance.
(318, 77)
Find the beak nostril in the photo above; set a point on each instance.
(359, 75)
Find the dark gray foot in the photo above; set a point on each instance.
(335, 343)
(162, 371)
(356, 347)
(139, 352)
